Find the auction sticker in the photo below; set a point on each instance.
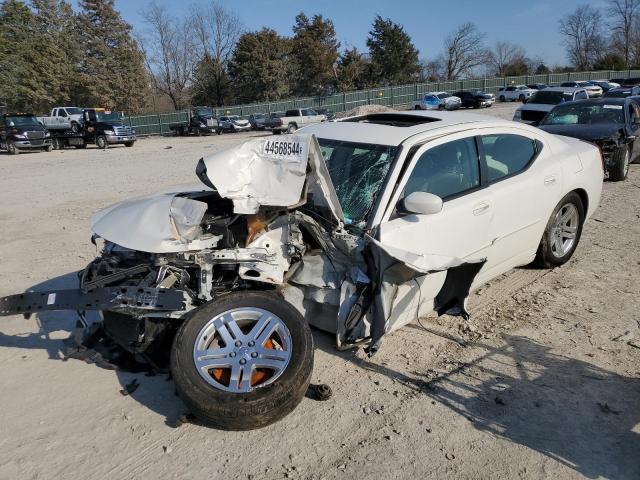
(288, 148)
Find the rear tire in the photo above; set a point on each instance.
(204, 391)
(521, 98)
(417, 107)
(620, 164)
(556, 247)
(292, 128)
(502, 99)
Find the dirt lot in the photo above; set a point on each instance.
(542, 383)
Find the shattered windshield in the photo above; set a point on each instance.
(358, 171)
(585, 114)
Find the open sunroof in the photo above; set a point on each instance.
(393, 119)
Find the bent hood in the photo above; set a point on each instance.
(589, 133)
(277, 172)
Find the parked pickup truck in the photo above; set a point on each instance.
(201, 121)
(100, 127)
(295, 119)
(63, 118)
(22, 131)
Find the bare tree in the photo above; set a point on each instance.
(217, 31)
(170, 53)
(582, 31)
(623, 14)
(464, 51)
(505, 55)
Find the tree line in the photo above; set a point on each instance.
(51, 54)
(605, 38)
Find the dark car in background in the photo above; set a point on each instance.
(622, 92)
(627, 82)
(474, 98)
(613, 124)
(326, 112)
(605, 85)
(22, 131)
(272, 120)
(258, 121)
(537, 86)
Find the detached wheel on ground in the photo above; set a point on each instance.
(620, 164)
(243, 361)
(101, 142)
(563, 231)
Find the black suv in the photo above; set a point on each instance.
(474, 98)
(22, 131)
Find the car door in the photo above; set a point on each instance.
(451, 169)
(524, 182)
(634, 127)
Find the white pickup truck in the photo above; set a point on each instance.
(295, 119)
(63, 118)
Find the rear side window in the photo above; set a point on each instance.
(507, 154)
(446, 170)
(292, 113)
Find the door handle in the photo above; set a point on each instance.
(480, 208)
(550, 180)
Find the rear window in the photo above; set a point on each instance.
(550, 98)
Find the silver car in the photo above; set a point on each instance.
(234, 123)
(437, 101)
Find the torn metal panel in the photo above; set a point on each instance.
(156, 224)
(108, 298)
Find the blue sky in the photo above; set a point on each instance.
(532, 24)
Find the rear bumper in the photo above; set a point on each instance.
(122, 299)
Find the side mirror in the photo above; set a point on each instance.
(422, 203)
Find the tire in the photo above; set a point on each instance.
(12, 149)
(101, 142)
(54, 144)
(128, 144)
(620, 164)
(212, 402)
(48, 148)
(501, 98)
(521, 98)
(292, 128)
(548, 255)
(276, 132)
(75, 128)
(417, 107)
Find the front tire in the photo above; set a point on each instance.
(620, 164)
(128, 144)
(292, 128)
(562, 234)
(229, 387)
(101, 142)
(12, 149)
(75, 128)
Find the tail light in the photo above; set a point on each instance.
(277, 121)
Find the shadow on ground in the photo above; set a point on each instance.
(575, 413)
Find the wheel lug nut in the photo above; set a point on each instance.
(254, 354)
(238, 343)
(242, 361)
(232, 354)
(252, 343)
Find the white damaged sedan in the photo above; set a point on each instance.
(355, 227)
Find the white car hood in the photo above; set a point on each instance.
(259, 172)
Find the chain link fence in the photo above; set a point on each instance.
(158, 124)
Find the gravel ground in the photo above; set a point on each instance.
(542, 383)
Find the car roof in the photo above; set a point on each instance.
(436, 93)
(600, 101)
(563, 89)
(371, 128)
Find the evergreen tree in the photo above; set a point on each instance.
(211, 83)
(259, 67)
(16, 70)
(354, 70)
(111, 70)
(315, 53)
(394, 59)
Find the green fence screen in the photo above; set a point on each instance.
(159, 123)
